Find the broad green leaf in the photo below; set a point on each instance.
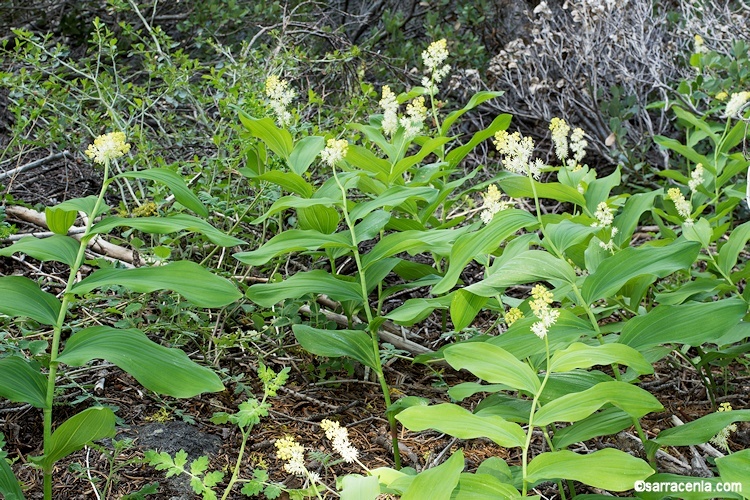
(627, 221)
(579, 355)
(366, 160)
(438, 482)
(483, 487)
(683, 324)
(21, 383)
(700, 288)
(391, 198)
(475, 101)
(464, 308)
(519, 186)
(566, 234)
(277, 139)
(604, 423)
(455, 155)
(734, 469)
(438, 241)
(369, 227)
(485, 240)
(317, 282)
(572, 407)
(406, 402)
(191, 280)
(318, 218)
(493, 364)
(598, 190)
(355, 344)
(10, 488)
(160, 369)
(85, 205)
(701, 430)
(609, 469)
(58, 220)
(292, 182)
(286, 202)
(618, 269)
(527, 267)
(356, 487)
(688, 152)
(79, 430)
(697, 122)
(461, 423)
(415, 310)
(730, 251)
(57, 247)
(700, 231)
(305, 152)
(404, 164)
(165, 225)
(685, 488)
(500, 404)
(176, 186)
(22, 297)
(293, 240)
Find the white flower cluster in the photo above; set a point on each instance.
(339, 436)
(560, 130)
(605, 216)
(108, 147)
(493, 203)
(288, 449)
(542, 310)
(334, 151)
(412, 122)
(736, 103)
(721, 440)
(280, 96)
(578, 145)
(434, 57)
(696, 178)
(517, 151)
(683, 206)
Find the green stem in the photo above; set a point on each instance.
(534, 403)
(57, 333)
(372, 331)
(238, 463)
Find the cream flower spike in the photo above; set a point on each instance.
(108, 147)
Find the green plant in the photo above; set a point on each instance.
(177, 376)
(250, 412)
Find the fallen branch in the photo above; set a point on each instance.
(34, 164)
(97, 244)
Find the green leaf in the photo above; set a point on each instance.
(609, 469)
(701, 430)
(57, 247)
(519, 186)
(10, 488)
(189, 279)
(476, 100)
(464, 308)
(176, 186)
(438, 482)
(165, 225)
(393, 197)
(685, 151)
(293, 240)
(733, 469)
(305, 152)
(730, 251)
(286, 202)
(579, 355)
(356, 487)
(683, 324)
(461, 423)
(621, 267)
(455, 155)
(366, 160)
(22, 297)
(598, 190)
(318, 282)
(483, 487)
(438, 241)
(319, 218)
(700, 231)
(58, 220)
(160, 369)
(79, 430)
(415, 310)
(526, 267)
(631, 399)
(277, 139)
(566, 234)
(493, 364)
(627, 221)
(21, 383)
(607, 422)
(85, 205)
(403, 403)
(355, 344)
(290, 181)
(484, 241)
(404, 164)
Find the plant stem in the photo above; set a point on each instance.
(525, 456)
(57, 333)
(372, 331)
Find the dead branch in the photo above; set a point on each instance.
(34, 164)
